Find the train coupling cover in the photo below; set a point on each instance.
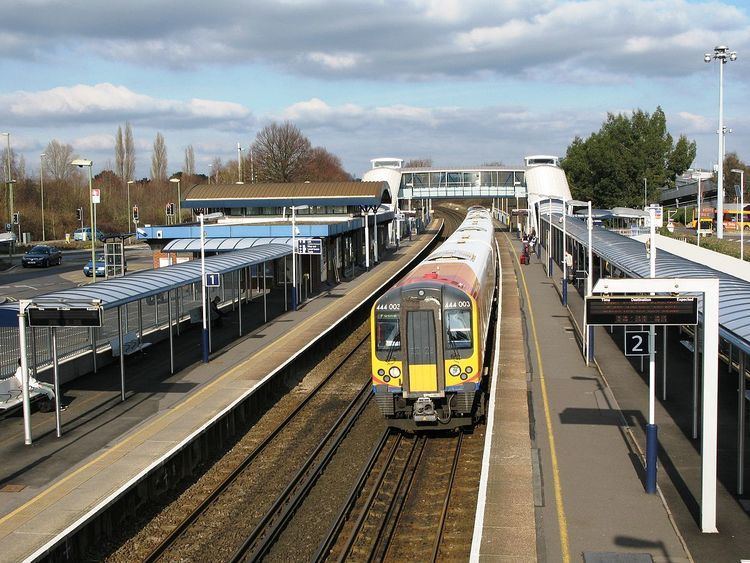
(424, 410)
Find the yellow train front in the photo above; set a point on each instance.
(429, 333)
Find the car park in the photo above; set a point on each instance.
(41, 256)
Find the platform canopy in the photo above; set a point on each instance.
(285, 195)
(114, 292)
(222, 244)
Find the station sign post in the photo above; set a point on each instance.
(213, 280)
(309, 246)
(670, 301)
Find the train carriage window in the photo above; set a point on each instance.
(388, 333)
(458, 328)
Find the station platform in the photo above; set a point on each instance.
(589, 436)
(48, 489)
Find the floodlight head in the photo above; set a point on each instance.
(707, 58)
(733, 56)
(81, 162)
(131, 181)
(736, 171)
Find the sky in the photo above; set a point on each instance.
(459, 81)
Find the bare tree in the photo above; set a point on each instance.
(419, 163)
(216, 168)
(280, 153)
(119, 154)
(129, 163)
(159, 159)
(189, 169)
(17, 166)
(323, 166)
(58, 157)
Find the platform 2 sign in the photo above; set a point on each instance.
(641, 310)
(637, 343)
(52, 316)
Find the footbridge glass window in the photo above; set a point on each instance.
(458, 329)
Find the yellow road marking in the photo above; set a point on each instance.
(168, 414)
(561, 520)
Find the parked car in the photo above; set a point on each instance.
(41, 255)
(99, 267)
(85, 234)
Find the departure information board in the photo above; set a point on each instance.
(641, 310)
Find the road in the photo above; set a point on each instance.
(24, 283)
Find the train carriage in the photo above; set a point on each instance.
(429, 332)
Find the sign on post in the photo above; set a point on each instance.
(309, 246)
(96, 194)
(641, 310)
(658, 215)
(637, 343)
(213, 280)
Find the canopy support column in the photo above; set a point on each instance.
(696, 373)
(140, 323)
(122, 353)
(286, 288)
(56, 373)
(171, 336)
(92, 336)
(240, 296)
(741, 426)
(664, 329)
(265, 308)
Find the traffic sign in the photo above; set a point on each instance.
(309, 246)
(637, 343)
(213, 280)
(641, 310)
(96, 195)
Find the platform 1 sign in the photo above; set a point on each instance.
(213, 280)
(309, 246)
(641, 310)
(637, 343)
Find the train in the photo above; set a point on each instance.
(429, 333)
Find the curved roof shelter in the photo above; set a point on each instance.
(284, 195)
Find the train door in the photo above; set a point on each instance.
(423, 368)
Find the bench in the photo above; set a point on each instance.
(11, 395)
(130, 345)
(688, 344)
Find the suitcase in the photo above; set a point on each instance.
(523, 258)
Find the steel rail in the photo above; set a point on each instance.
(262, 537)
(446, 502)
(168, 541)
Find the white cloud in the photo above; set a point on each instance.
(96, 142)
(82, 104)
(340, 61)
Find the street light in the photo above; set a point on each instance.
(179, 205)
(742, 211)
(81, 162)
(722, 54)
(9, 181)
(699, 175)
(41, 187)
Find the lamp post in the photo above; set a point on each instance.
(9, 181)
(210, 171)
(565, 255)
(699, 175)
(239, 164)
(645, 193)
(742, 211)
(204, 336)
(179, 198)
(81, 162)
(722, 54)
(41, 189)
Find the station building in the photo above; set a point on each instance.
(250, 215)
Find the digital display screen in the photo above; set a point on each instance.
(642, 310)
(90, 316)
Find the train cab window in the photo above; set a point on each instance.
(458, 328)
(388, 335)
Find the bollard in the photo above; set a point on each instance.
(652, 449)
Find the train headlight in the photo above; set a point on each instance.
(454, 370)
(469, 369)
(464, 376)
(381, 372)
(394, 372)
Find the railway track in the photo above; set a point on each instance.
(284, 449)
(414, 493)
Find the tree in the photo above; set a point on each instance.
(129, 163)
(733, 162)
(119, 154)
(58, 160)
(189, 168)
(159, 159)
(610, 166)
(280, 153)
(323, 166)
(419, 163)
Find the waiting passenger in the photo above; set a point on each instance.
(217, 313)
(36, 385)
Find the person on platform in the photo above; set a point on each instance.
(217, 313)
(35, 385)
(569, 266)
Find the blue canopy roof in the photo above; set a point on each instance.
(629, 255)
(139, 285)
